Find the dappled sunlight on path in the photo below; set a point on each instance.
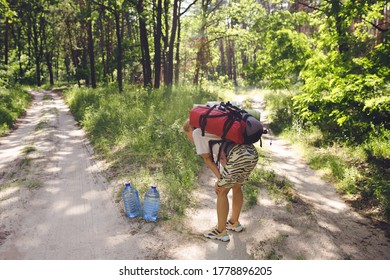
(69, 212)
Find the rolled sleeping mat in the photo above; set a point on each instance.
(254, 113)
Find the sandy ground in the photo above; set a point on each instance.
(56, 204)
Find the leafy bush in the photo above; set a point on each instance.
(282, 50)
(344, 105)
(280, 105)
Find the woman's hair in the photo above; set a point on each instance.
(186, 125)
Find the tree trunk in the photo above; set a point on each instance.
(229, 59)
(157, 45)
(165, 37)
(146, 64)
(84, 66)
(234, 65)
(48, 55)
(49, 64)
(199, 64)
(6, 44)
(177, 69)
(91, 51)
(117, 15)
(222, 58)
(169, 63)
(340, 26)
(37, 54)
(18, 41)
(102, 43)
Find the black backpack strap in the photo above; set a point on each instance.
(234, 108)
(211, 145)
(234, 114)
(203, 119)
(225, 146)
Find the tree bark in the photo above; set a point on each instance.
(157, 45)
(177, 68)
(91, 51)
(222, 57)
(6, 44)
(169, 60)
(117, 15)
(37, 53)
(340, 28)
(146, 64)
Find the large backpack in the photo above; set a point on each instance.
(227, 121)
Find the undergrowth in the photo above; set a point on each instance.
(13, 103)
(139, 133)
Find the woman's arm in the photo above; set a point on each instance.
(210, 163)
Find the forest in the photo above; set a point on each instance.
(327, 62)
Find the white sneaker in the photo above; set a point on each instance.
(215, 234)
(235, 227)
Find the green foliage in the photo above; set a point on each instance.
(280, 105)
(282, 53)
(140, 134)
(13, 103)
(345, 105)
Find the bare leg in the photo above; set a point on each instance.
(222, 208)
(238, 200)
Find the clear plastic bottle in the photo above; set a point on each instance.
(151, 204)
(131, 201)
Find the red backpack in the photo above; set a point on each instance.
(227, 121)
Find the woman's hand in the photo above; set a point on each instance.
(210, 163)
(217, 189)
(223, 159)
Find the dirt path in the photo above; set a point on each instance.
(54, 204)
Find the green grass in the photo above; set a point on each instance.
(139, 133)
(47, 97)
(41, 125)
(29, 149)
(13, 103)
(33, 184)
(278, 187)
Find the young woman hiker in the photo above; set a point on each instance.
(237, 162)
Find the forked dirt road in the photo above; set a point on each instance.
(55, 204)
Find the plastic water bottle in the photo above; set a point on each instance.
(131, 201)
(151, 204)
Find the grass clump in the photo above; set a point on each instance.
(139, 133)
(278, 187)
(28, 149)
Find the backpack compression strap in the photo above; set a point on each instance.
(203, 120)
(232, 113)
